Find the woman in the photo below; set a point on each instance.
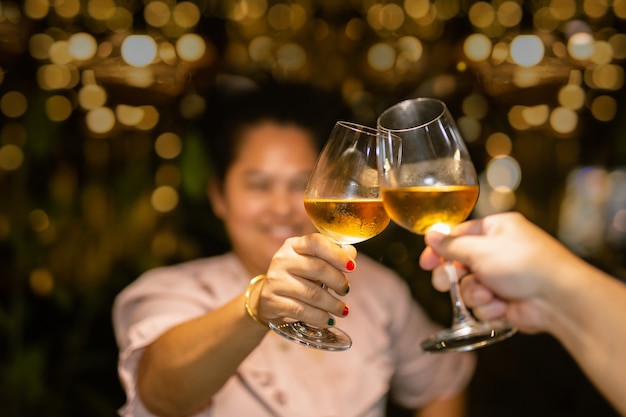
(188, 344)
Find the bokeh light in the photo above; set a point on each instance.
(139, 50)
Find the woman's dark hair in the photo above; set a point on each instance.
(233, 111)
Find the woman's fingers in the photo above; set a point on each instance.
(300, 276)
(304, 301)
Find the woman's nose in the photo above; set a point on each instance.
(284, 202)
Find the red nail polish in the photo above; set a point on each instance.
(350, 265)
(346, 310)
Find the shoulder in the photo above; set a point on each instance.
(187, 277)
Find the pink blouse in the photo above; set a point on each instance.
(281, 378)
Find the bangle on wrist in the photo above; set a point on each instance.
(248, 308)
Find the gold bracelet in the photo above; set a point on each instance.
(248, 309)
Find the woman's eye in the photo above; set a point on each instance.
(258, 186)
(299, 185)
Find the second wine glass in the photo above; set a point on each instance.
(342, 199)
(431, 183)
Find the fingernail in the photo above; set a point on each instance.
(346, 310)
(331, 321)
(350, 265)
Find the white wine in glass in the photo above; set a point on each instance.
(342, 199)
(431, 183)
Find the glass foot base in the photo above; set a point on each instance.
(468, 336)
(330, 339)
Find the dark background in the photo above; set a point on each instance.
(57, 281)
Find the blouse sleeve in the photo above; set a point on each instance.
(157, 301)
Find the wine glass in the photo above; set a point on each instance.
(431, 183)
(342, 199)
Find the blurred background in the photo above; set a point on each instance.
(102, 174)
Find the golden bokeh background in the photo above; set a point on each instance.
(102, 172)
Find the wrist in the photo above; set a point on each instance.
(250, 293)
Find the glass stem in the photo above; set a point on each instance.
(460, 313)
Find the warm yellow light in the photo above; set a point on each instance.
(168, 145)
(11, 157)
(149, 119)
(157, 13)
(100, 120)
(544, 21)
(475, 105)
(92, 96)
(39, 45)
(608, 77)
(58, 108)
(509, 13)
(563, 120)
(101, 9)
(121, 21)
(391, 16)
(82, 46)
(186, 14)
(141, 77)
(411, 48)
(13, 104)
(291, 57)
(381, 57)
(594, 8)
(498, 143)
(417, 8)
(279, 16)
(618, 45)
(261, 48)
(60, 53)
(167, 53)
(470, 128)
(572, 96)
(527, 50)
(41, 281)
(536, 115)
(563, 9)
(54, 77)
(581, 46)
(481, 14)
(501, 199)
(129, 115)
(164, 198)
(138, 50)
(516, 118)
(477, 47)
(504, 173)
(604, 108)
(192, 105)
(36, 9)
(190, 47)
(67, 9)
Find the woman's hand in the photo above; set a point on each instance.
(293, 288)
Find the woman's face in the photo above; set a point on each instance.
(261, 203)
